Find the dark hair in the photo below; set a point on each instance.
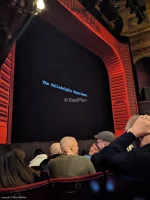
(13, 171)
(38, 152)
(84, 152)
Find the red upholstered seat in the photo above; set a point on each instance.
(98, 186)
(30, 191)
(88, 187)
(68, 188)
(124, 187)
(81, 178)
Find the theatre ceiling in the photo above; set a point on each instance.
(139, 34)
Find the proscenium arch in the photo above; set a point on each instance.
(70, 17)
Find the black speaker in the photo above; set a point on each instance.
(145, 93)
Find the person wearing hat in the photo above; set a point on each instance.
(134, 164)
(104, 138)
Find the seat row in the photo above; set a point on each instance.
(97, 186)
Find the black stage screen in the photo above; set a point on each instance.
(60, 88)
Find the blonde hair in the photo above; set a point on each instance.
(55, 149)
(131, 121)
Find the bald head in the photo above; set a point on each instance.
(55, 149)
(69, 146)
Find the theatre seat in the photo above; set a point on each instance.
(91, 186)
(88, 187)
(37, 191)
(98, 186)
(124, 187)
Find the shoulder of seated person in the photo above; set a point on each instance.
(52, 160)
(77, 157)
(96, 154)
(45, 161)
(84, 158)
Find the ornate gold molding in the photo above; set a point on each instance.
(139, 35)
(137, 55)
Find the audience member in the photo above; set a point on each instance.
(55, 151)
(13, 171)
(70, 164)
(84, 152)
(39, 156)
(93, 149)
(104, 138)
(135, 163)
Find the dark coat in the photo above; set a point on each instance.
(114, 157)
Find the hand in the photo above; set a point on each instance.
(141, 126)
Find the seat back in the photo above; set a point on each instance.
(36, 191)
(98, 186)
(123, 187)
(90, 187)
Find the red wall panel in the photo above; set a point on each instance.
(6, 96)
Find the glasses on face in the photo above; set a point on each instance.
(96, 144)
(101, 144)
(99, 141)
